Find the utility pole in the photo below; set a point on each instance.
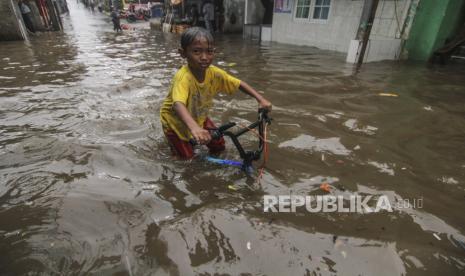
(364, 30)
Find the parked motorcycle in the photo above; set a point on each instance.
(133, 17)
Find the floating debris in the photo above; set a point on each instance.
(448, 180)
(325, 187)
(388, 95)
(13, 233)
(249, 247)
(232, 187)
(428, 108)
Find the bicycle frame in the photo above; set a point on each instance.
(247, 156)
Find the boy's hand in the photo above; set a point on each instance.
(263, 103)
(202, 136)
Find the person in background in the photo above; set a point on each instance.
(149, 9)
(219, 17)
(116, 21)
(208, 15)
(92, 5)
(194, 15)
(26, 13)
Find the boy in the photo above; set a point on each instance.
(184, 113)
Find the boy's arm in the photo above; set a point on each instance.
(262, 102)
(201, 135)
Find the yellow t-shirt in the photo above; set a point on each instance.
(197, 97)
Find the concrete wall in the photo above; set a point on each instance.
(387, 25)
(385, 39)
(425, 28)
(434, 23)
(255, 12)
(10, 24)
(335, 34)
(340, 29)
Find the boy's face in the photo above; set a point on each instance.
(199, 54)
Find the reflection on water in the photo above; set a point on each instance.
(88, 186)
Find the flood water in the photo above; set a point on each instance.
(88, 186)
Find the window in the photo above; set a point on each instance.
(302, 9)
(321, 10)
(313, 10)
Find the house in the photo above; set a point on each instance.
(43, 15)
(231, 12)
(387, 29)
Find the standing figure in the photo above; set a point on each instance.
(219, 15)
(26, 13)
(116, 21)
(149, 9)
(92, 5)
(194, 15)
(208, 15)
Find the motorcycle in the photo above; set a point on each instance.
(133, 17)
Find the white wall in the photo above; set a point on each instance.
(336, 34)
(387, 25)
(341, 27)
(385, 39)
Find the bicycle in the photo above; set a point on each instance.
(247, 156)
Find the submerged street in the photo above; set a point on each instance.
(88, 186)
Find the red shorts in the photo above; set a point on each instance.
(185, 150)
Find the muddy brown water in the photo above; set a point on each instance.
(87, 185)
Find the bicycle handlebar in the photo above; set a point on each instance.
(247, 156)
(222, 130)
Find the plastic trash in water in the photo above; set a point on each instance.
(231, 187)
(325, 187)
(428, 108)
(388, 95)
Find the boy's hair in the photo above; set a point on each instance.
(194, 33)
